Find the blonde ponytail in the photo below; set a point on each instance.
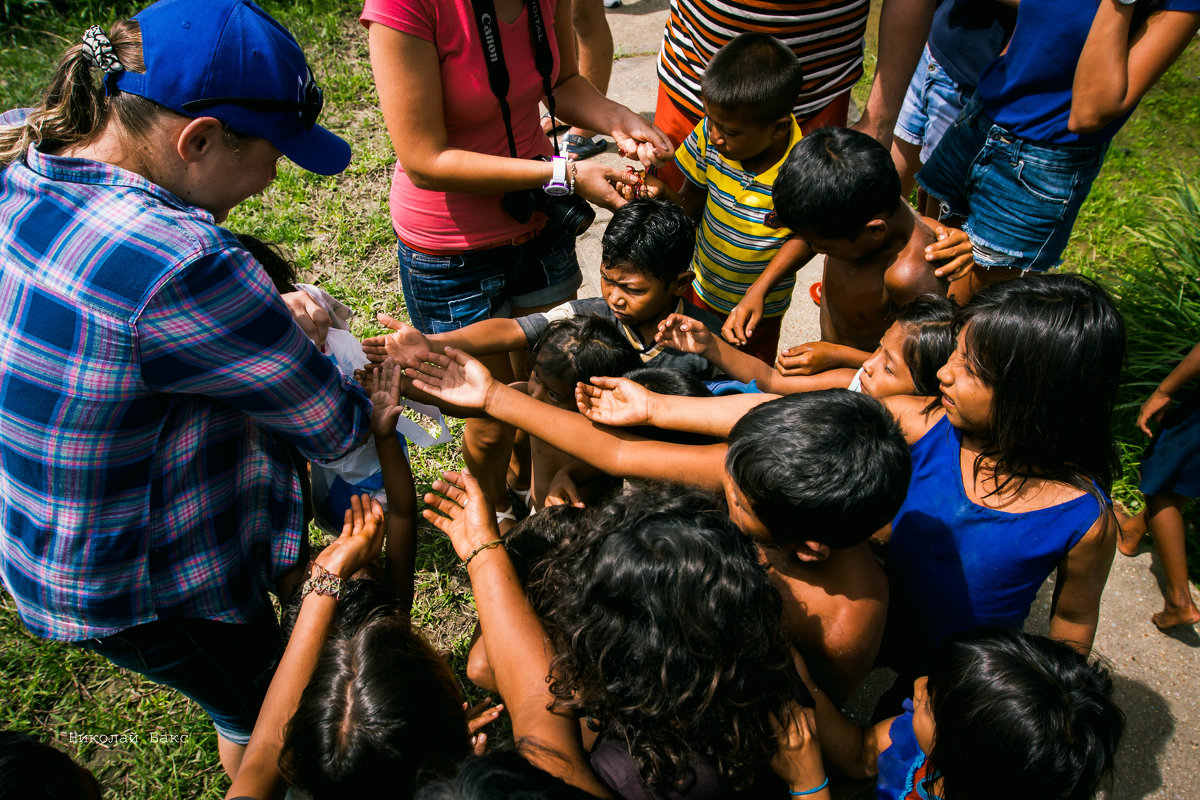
(74, 109)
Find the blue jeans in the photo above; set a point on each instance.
(225, 667)
(1020, 198)
(447, 292)
(931, 105)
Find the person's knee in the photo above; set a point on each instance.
(479, 669)
(482, 436)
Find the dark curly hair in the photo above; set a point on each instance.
(667, 634)
(1018, 715)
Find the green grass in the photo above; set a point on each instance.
(339, 232)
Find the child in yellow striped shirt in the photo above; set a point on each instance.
(730, 161)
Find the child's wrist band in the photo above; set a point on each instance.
(324, 583)
(481, 548)
(813, 790)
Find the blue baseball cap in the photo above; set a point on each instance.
(230, 60)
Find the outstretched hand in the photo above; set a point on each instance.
(382, 385)
(953, 253)
(459, 508)
(454, 377)
(361, 540)
(403, 343)
(614, 401)
(681, 332)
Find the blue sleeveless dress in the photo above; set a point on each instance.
(954, 565)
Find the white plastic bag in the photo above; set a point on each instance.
(358, 472)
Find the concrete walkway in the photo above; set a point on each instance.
(1160, 754)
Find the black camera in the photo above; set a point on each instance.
(569, 212)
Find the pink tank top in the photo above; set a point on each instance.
(447, 221)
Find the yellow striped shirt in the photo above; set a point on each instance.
(734, 243)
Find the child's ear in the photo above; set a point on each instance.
(682, 281)
(876, 228)
(811, 551)
(782, 128)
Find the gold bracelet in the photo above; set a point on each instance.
(324, 583)
(481, 548)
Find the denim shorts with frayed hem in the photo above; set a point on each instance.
(1020, 198)
(931, 105)
(225, 667)
(447, 292)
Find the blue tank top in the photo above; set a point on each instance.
(955, 565)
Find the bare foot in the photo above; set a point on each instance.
(1169, 617)
(1131, 530)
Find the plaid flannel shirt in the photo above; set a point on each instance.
(150, 381)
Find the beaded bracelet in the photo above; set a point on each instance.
(325, 583)
(572, 173)
(813, 790)
(481, 548)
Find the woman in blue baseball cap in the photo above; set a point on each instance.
(153, 382)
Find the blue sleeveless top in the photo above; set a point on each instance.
(955, 565)
(903, 774)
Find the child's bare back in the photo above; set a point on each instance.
(833, 613)
(859, 297)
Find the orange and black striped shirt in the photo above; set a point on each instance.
(826, 35)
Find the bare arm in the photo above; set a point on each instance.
(409, 80)
(746, 315)
(1160, 399)
(582, 104)
(620, 401)
(903, 28)
(258, 776)
(459, 379)
(483, 338)
(1075, 610)
(854, 751)
(516, 644)
(686, 334)
(400, 525)
(815, 357)
(1114, 71)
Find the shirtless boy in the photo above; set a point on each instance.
(810, 498)
(839, 191)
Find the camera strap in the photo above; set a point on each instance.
(493, 55)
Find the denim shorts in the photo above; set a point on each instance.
(1020, 198)
(225, 667)
(930, 107)
(446, 292)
